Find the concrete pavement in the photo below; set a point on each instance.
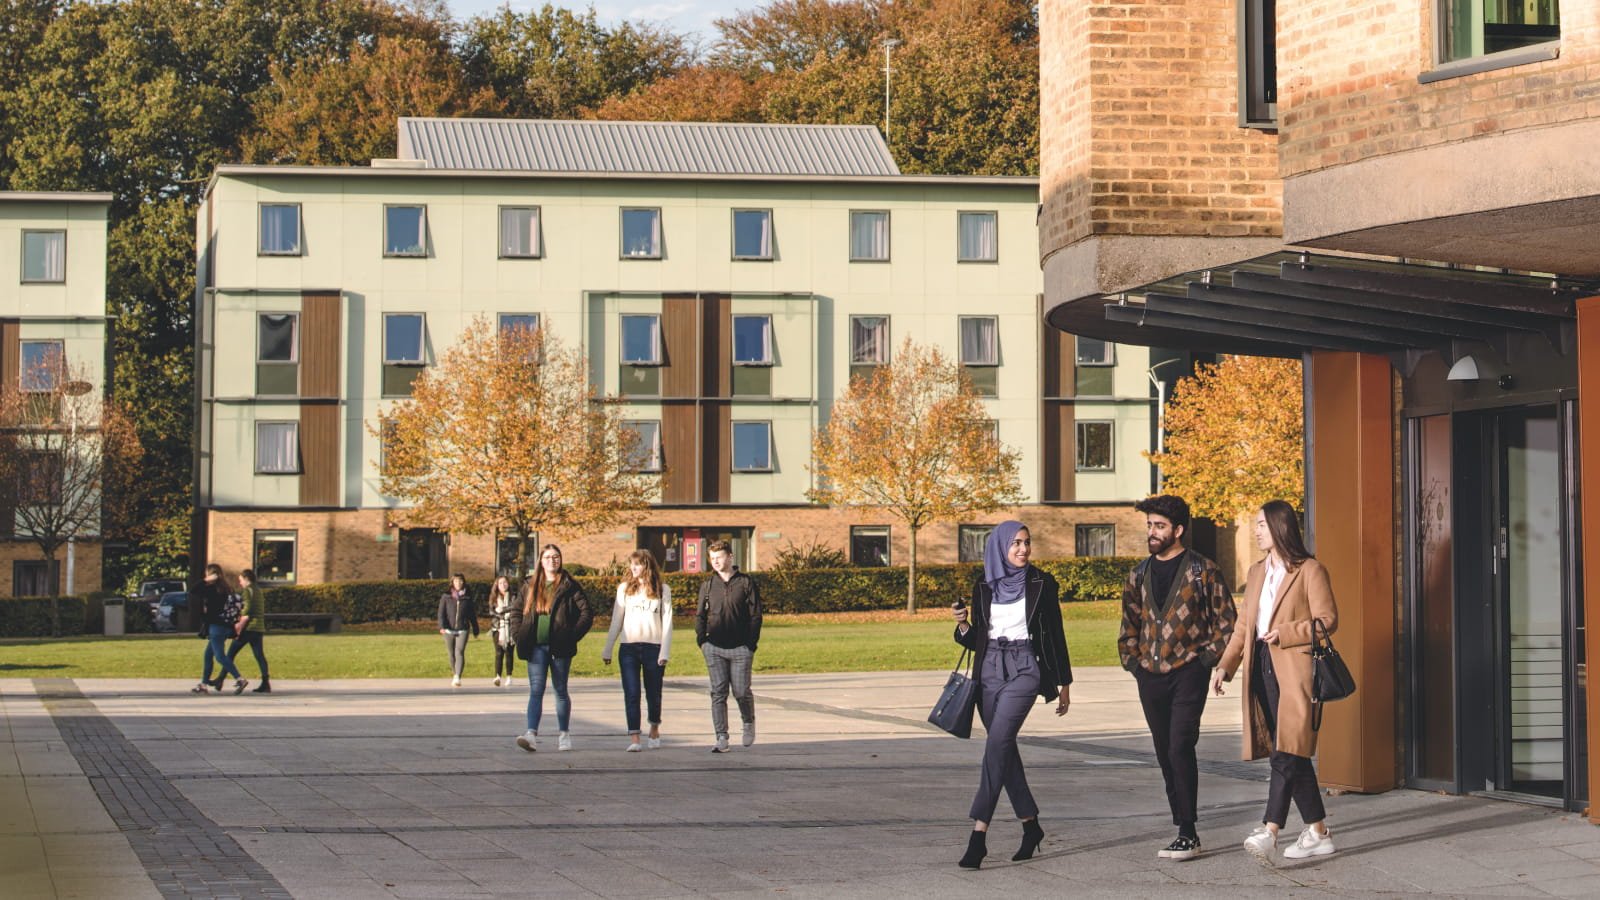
(357, 789)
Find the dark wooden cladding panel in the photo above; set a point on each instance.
(680, 332)
(1057, 459)
(717, 344)
(320, 341)
(716, 453)
(319, 454)
(10, 353)
(1059, 359)
(681, 452)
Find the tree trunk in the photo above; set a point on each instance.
(911, 575)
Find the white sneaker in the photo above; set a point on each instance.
(455, 681)
(564, 741)
(509, 682)
(497, 681)
(1310, 844)
(1260, 844)
(654, 743)
(749, 733)
(529, 741)
(722, 744)
(634, 747)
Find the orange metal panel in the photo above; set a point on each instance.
(1589, 453)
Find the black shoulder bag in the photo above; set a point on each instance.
(953, 712)
(1330, 677)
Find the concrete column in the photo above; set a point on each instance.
(1351, 480)
(1589, 526)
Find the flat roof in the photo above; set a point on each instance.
(55, 197)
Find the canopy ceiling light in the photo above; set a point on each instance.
(1465, 369)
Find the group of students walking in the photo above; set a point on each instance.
(1181, 634)
(546, 619)
(226, 613)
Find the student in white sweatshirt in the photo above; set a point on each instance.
(642, 615)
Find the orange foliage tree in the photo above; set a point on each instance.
(913, 440)
(506, 431)
(1235, 437)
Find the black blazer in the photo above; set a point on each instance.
(1045, 633)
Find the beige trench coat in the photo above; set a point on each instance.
(1304, 593)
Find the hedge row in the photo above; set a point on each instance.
(800, 591)
(30, 616)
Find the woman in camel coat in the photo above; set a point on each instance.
(1271, 645)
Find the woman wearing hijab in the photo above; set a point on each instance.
(1013, 629)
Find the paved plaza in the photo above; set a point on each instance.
(369, 789)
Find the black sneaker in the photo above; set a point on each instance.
(1184, 847)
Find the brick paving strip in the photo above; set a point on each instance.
(183, 851)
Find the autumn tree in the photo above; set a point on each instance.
(913, 439)
(507, 432)
(1235, 437)
(69, 461)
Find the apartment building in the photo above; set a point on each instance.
(52, 326)
(1400, 194)
(725, 281)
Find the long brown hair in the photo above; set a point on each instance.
(496, 594)
(536, 597)
(650, 582)
(1284, 526)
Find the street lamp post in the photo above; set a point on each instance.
(73, 389)
(1161, 413)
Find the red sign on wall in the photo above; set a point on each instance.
(691, 554)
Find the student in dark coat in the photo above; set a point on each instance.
(554, 617)
(458, 617)
(210, 602)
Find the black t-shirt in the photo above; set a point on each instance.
(1162, 572)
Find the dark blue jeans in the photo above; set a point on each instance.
(539, 664)
(215, 635)
(638, 660)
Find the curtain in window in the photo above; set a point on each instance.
(519, 229)
(765, 250)
(869, 235)
(869, 340)
(980, 237)
(277, 447)
(44, 256)
(972, 540)
(280, 228)
(277, 338)
(979, 342)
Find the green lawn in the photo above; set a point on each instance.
(813, 643)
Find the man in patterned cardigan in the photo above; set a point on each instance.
(1177, 614)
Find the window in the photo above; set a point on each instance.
(752, 446)
(1095, 352)
(641, 234)
(752, 340)
(43, 479)
(522, 326)
(280, 230)
(869, 236)
(519, 233)
(424, 553)
(275, 556)
(404, 343)
(752, 234)
(1095, 540)
(978, 237)
(508, 547)
(34, 578)
(1094, 446)
(277, 354)
(1094, 376)
(970, 540)
(405, 231)
(641, 340)
(869, 545)
(869, 340)
(42, 367)
(646, 455)
(1470, 28)
(1258, 64)
(980, 353)
(44, 256)
(277, 448)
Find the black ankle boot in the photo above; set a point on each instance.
(265, 687)
(1032, 837)
(977, 849)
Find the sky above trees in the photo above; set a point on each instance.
(688, 18)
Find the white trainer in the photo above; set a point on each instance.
(722, 744)
(635, 747)
(1310, 844)
(654, 744)
(564, 741)
(529, 741)
(455, 681)
(749, 733)
(497, 681)
(1260, 844)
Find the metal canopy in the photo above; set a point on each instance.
(1290, 302)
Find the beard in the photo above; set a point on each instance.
(1159, 546)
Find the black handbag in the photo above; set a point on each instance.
(953, 712)
(1330, 677)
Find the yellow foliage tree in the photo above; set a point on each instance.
(1235, 437)
(507, 432)
(913, 440)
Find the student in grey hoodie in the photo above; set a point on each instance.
(727, 627)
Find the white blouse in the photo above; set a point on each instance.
(1009, 620)
(1269, 596)
(641, 620)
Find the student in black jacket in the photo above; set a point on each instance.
(1019, 654)
(727, 626)
(209, 601)
(554, 617)
(458, 616)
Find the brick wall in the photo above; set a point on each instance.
(1140, 133)
(86, 567)
(1348, 90)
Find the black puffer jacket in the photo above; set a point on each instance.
(570, 619)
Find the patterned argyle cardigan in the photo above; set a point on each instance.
(1198, 618)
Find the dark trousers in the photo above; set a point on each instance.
(253, 640)
(1173, 702)
(1008, 687)
(506, 654)
(1293, 777)
(640, 665)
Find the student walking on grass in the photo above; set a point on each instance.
(553, 618)
(210, 600)
(727, 628)
(501, 604)
(250, 631)
(457, 618)
(642, 616)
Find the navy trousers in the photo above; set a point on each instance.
(1008, 687)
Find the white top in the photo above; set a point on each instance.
(1269, 595)
(1009, 620)
(641, 620)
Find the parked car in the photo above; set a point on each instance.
(150, 592)
(168, 608)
